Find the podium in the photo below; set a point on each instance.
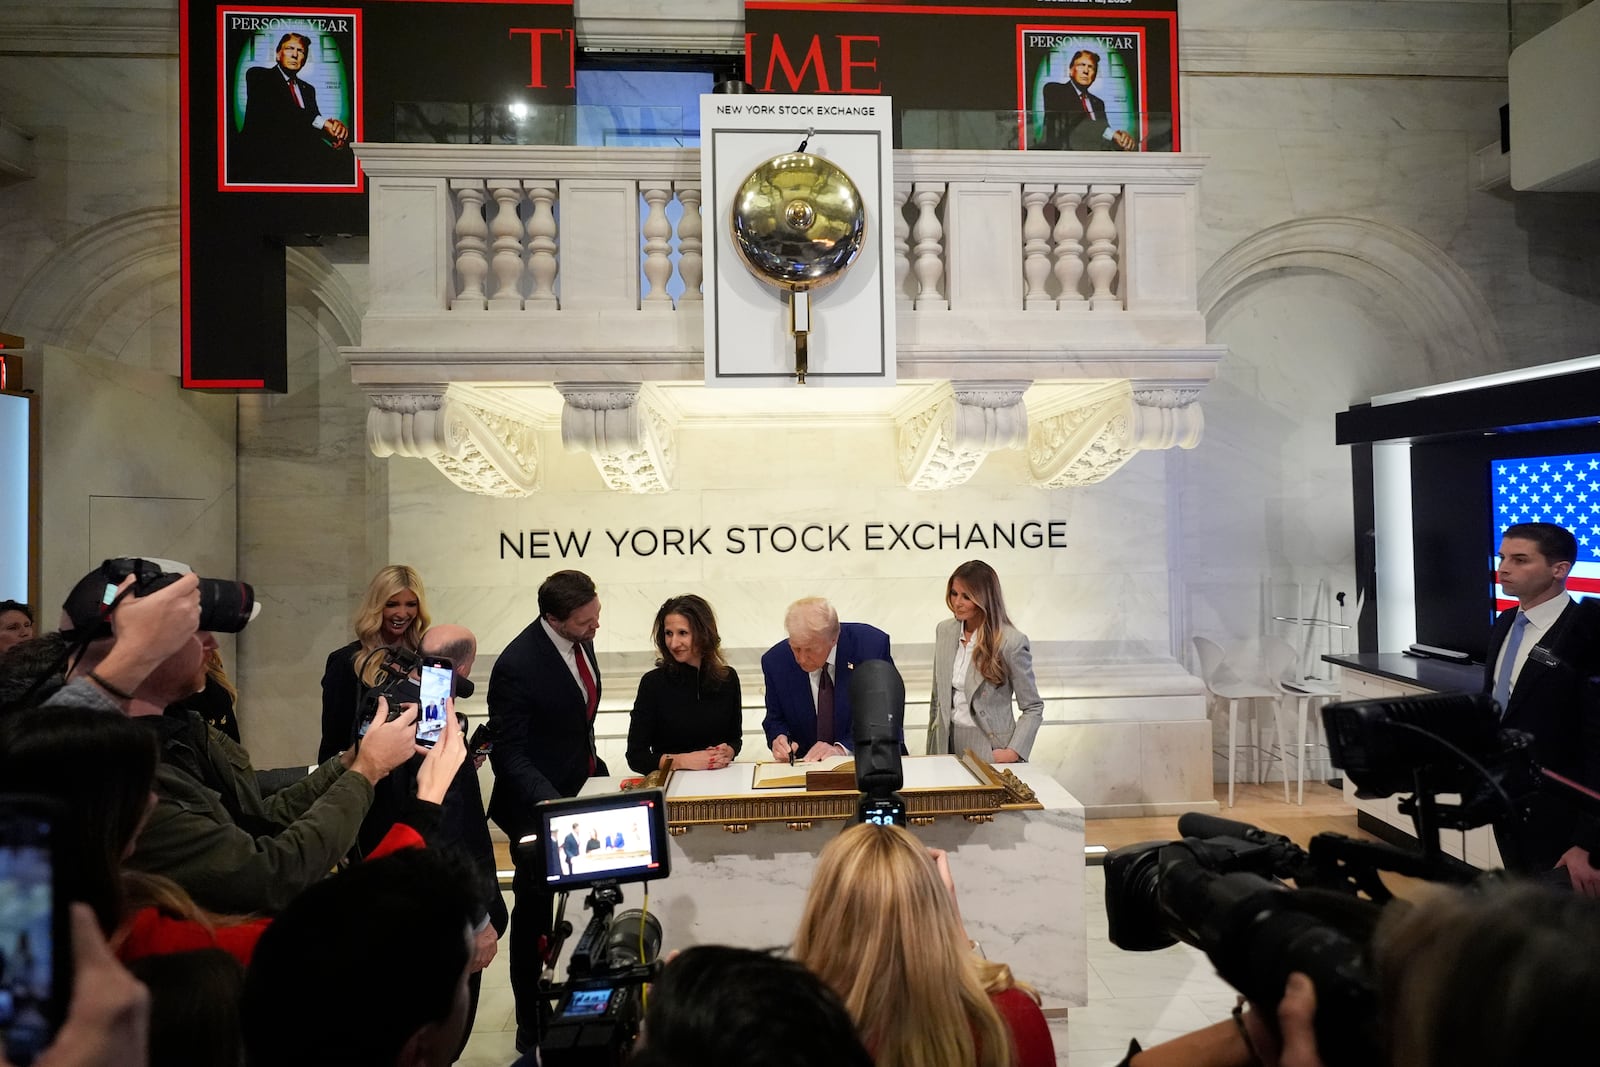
(1020, 877)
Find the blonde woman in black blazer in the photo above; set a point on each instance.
(998, 667)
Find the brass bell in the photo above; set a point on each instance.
(798, 224)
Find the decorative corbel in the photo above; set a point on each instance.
(629, 439)
(481, 450)
(943, 443)
(1088, 443)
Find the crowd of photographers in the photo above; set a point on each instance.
(205, 927)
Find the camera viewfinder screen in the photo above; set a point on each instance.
(588, 1002)
(605, 840)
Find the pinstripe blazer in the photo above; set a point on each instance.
(990, 704)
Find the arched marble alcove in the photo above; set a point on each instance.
(1317, 314)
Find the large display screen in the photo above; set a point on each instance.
(1562, 489)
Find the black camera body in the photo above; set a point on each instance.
(598, 1008)
(1222, 895)
(224, 605)
(1222, 889)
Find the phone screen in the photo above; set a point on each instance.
(436, 686)
(30, 1000)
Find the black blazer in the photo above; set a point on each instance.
(542, 735)
(1068, 127)
(277, 142)
(1555, 700)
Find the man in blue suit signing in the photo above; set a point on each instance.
(808, 680)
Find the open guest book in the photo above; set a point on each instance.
(793, 775)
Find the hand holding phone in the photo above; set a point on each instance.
(438, 687)
(34, 932)
(439, 767)
(108, 1024)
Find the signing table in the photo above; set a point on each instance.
(1018, 871)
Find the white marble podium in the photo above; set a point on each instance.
(1020, 880)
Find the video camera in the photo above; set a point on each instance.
(599, 843)
(1223, 887)
(878, 697)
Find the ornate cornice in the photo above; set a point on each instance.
(1087, 444)
(942, 444)
(488, 452)
(629, 438)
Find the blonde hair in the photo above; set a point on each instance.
(219, 674)
(880, 929)
(395, 578)
(983, 584)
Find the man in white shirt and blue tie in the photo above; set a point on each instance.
(1542, 656)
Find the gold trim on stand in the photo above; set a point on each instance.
(990, 791)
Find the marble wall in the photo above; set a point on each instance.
(132, 466)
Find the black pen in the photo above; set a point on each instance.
(791, 753)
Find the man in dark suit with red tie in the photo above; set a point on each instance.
(543, 694)
(1075, 118)
(1542, 657)
(285, 137)
(808, 680)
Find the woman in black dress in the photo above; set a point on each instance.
(688, 708)
(394, 612)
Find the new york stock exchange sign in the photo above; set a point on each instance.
(782, 538)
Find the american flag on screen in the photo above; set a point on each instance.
(1564, 490)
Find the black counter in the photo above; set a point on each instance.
(1438, 675)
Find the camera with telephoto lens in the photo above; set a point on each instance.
(225, 606)
(878, 697)
(1223, 888)
(598, 843)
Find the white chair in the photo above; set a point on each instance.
(1224, 683)
(1303, 691)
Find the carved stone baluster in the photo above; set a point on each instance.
(507, 232)
(542, 246)
(691, 263)
(472, 262)
(1102, 235)
(902, 244)
(657, 243)
(1035, 247)
(1069, 247)
(928, 264)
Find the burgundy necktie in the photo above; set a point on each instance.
(294, 89)
(1084, 98)
(825, 707)
(591, 692)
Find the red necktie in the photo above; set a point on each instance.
(1088, 107)
(824, 707)
(294, 89)
(591, 692)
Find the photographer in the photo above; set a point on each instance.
(1494, 976)
(211, 830)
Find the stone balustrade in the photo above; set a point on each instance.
(1070, 277)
